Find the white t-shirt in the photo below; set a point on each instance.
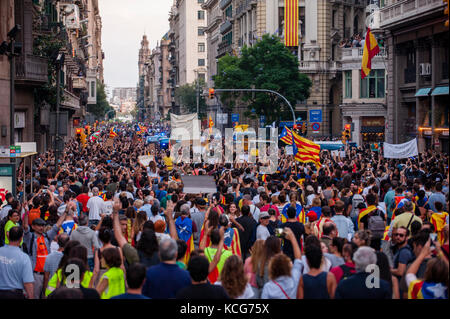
(107, 207)
(262, 232)
(326, 266)
(255, 212)
(95, 205)
(154, 219)
(309, 199)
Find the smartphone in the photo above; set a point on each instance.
(279, 232)
(433, 237)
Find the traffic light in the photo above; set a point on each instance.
(447, 12)
(88, 129)
(211, 93)
(347, 135)
(78, 134)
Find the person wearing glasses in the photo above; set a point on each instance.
(404, 254)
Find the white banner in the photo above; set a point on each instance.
(184, 127)
(404, 150)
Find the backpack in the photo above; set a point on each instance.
(2, 230)
(347, 271)
(29, 250)
(376, 225)
(357, 198)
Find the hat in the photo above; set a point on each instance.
(160, 226)
(312, 216)
(260, 189)
(264, 215)
(39, 222)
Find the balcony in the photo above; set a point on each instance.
(225, 27)
(31, 70)
(224, 47)
(356, 3)
(224, 3)
(407, 10)
(70, 101)
(316, 66)
(78, 82)
(356, 54)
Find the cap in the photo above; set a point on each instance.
(312, 216)
(160, 226)
(260, 189)
(39, 222)
(264, 215)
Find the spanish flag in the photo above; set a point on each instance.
(291, 23)
(371, 49)
(307, 151)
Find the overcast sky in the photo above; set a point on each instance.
(123, 25)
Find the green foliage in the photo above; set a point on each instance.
(102, 106)
(266, 65)
(187, 95)
(48, 46)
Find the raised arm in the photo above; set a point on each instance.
(168, 213)
(116, 224)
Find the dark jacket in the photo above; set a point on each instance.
(354, 287)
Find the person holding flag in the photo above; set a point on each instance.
(185, 232)
(112, 133)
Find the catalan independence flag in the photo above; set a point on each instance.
(112, 133)
(371, 49)
(232, 241)
(438, 221)
(419, 289)
(183, 226)
(291, 23)
(308, 151)
(286, 136)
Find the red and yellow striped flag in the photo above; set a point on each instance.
(291, 23)
(308, 151)
(371, 49)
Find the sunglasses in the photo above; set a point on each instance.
(399, 235)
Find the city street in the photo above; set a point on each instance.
(233, 149)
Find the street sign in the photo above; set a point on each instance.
(315, 127)
(286, 123)
(234, 118)
(7, 180)
(315, 116)
(222, 118)
(262, 120)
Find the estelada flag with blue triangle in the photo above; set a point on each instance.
(112, 133)
(139, 128)
(183, 226)
(286, 136)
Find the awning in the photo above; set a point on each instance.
(372, 129)
(423, 92)
(440, 90)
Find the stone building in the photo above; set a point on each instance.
(418, 95)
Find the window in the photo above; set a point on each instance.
(201, 62)
(201, 15)
(202, 77)
(201, 47)
(333, 19)
(348, 84)
(200, 1)
(372, 86)
(201, 31)
(229, 12)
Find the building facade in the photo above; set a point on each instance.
(418, 94)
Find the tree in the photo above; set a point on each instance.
(267, 65)
(102, 106)
(187, 95)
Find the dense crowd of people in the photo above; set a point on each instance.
(102, 225)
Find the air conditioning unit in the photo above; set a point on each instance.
(425, 69)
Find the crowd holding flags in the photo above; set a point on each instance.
(94, 137)
(112, 133)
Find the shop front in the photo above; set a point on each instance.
(372, 129)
